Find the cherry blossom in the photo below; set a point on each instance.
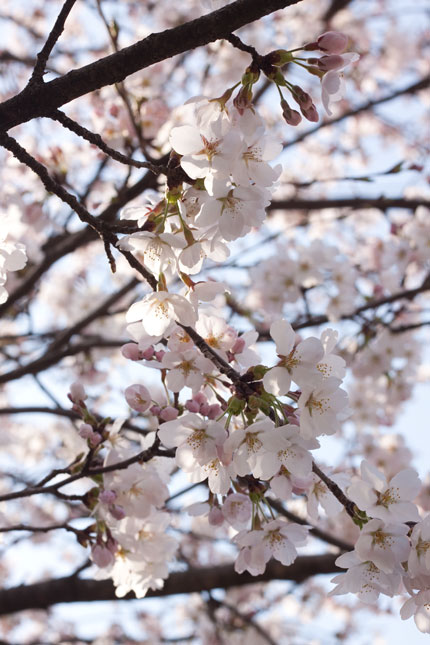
(158, 311)
(388, 501)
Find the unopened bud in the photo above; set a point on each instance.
(214, 411)
(251, 75)
(131, 351)
(235, 405)
(311, 113)
(276, 76)
(332, 42)
(242, 100)
(169, 413)
(192, 406)
(327, 63)
(301, 97)
(77, 393)
(292, 117)
(85, 431)
(279, 57)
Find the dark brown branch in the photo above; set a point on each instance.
(381, 203)
(43, 55)
(48, 360)
(72, 589)
(348, 505)
(35, 101)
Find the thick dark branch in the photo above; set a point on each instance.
(48, 360)
(43, 55)
(381, 203)
(35, 100)
(411, 89)
(72, 589)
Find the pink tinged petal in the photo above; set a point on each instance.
(283, 335)
(281, 486)
(374, 476)
(277, 381)
(363, 495)
(186, 140)
(408, 609)
(333, 42)
(310, 350)
(408, 483)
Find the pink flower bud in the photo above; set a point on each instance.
(200, 398)
(95, 439)
(101, 556)
(192, 406)
(85, 431)
(159, 355)
(148, 353)
(332, 42)
(301, 97)
(204, 409)
(117, 511)
(311, 113)
(292, 117)
(138, 397)
(155, 410)
(77, 393)
(215, 517)
(131, 351)
(169, 413)
(327, 63)
(107, 496)
(214, 411)
(238, 347)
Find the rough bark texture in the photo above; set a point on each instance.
(73, 589)
(39, 99)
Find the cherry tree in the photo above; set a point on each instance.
(214, 282)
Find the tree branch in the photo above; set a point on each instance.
(72, 589)
(43, 55)
(382, 203)
(35, 100)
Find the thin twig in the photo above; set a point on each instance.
(43, 55)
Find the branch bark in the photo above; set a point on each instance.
(72, 589)
(38, 100)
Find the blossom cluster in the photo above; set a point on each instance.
(251, 441)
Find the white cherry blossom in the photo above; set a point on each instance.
(386, 545)
(297, 362)
(364, 579)
(158, 311)
(389, 501)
